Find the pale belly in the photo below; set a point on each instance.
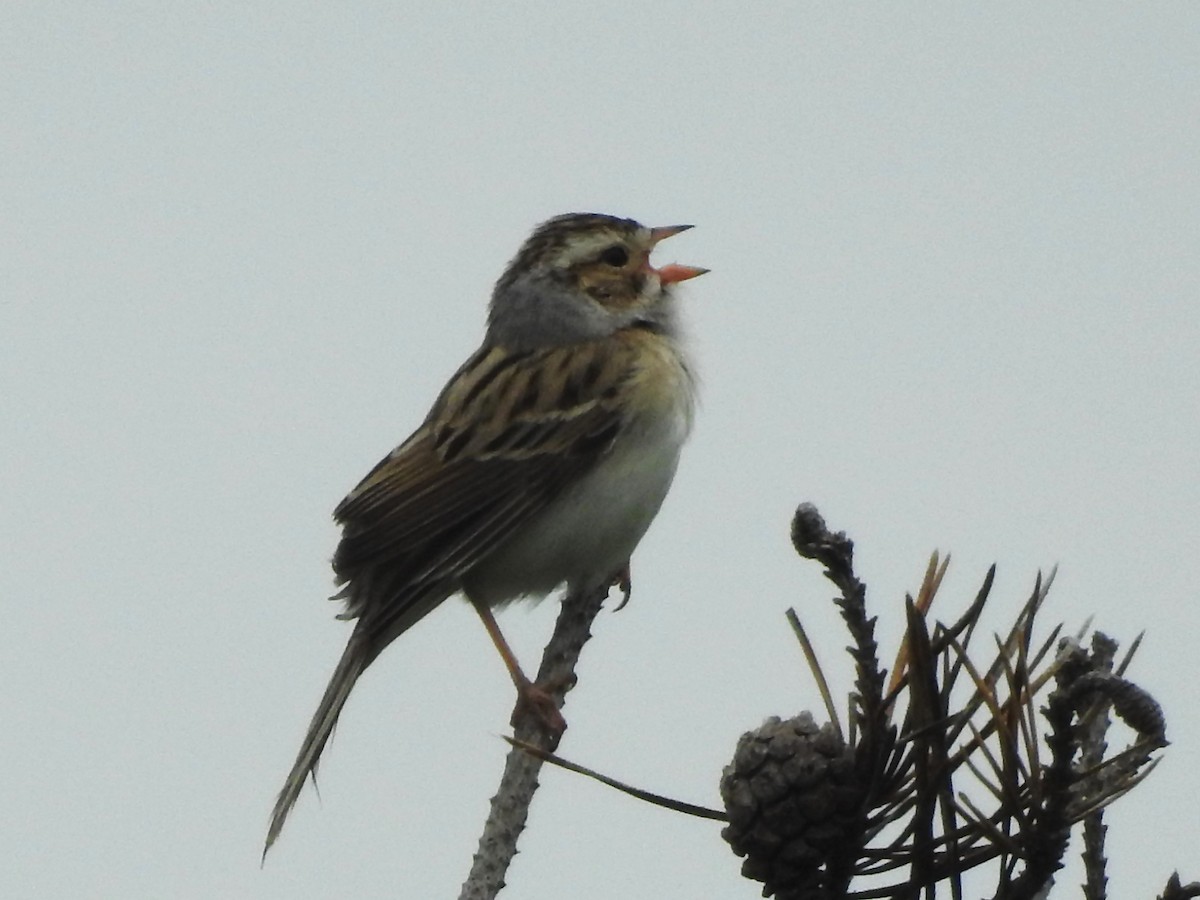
(588, 534)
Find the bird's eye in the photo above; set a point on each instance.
(615, 256)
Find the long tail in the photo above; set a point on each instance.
(354, 661)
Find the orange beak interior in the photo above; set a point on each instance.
(673, 273)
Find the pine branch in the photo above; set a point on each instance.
(510, 806)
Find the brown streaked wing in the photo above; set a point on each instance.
(503, 440)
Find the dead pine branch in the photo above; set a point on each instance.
(509, 808)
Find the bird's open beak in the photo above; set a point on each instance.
(666, 231)
(673, 273)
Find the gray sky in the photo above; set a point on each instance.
(953, 302)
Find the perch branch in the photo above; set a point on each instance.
(510, 806)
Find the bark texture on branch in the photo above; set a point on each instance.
(510, 806)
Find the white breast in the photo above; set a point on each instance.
(589, 533)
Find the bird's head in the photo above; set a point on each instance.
(582, 276)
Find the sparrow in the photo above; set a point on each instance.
(541, 463)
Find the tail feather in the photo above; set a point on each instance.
(354, 661)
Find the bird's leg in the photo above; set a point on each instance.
(623, 580)
(531, 698)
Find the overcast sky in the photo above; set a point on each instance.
(953, 301)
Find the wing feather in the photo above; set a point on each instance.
(506, 436)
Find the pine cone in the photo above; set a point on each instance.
(794, 806)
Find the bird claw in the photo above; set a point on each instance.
(623, 581)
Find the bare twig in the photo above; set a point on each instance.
(510, 805)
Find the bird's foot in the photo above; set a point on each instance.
(536, 702)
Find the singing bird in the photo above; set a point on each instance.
(541, 464)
